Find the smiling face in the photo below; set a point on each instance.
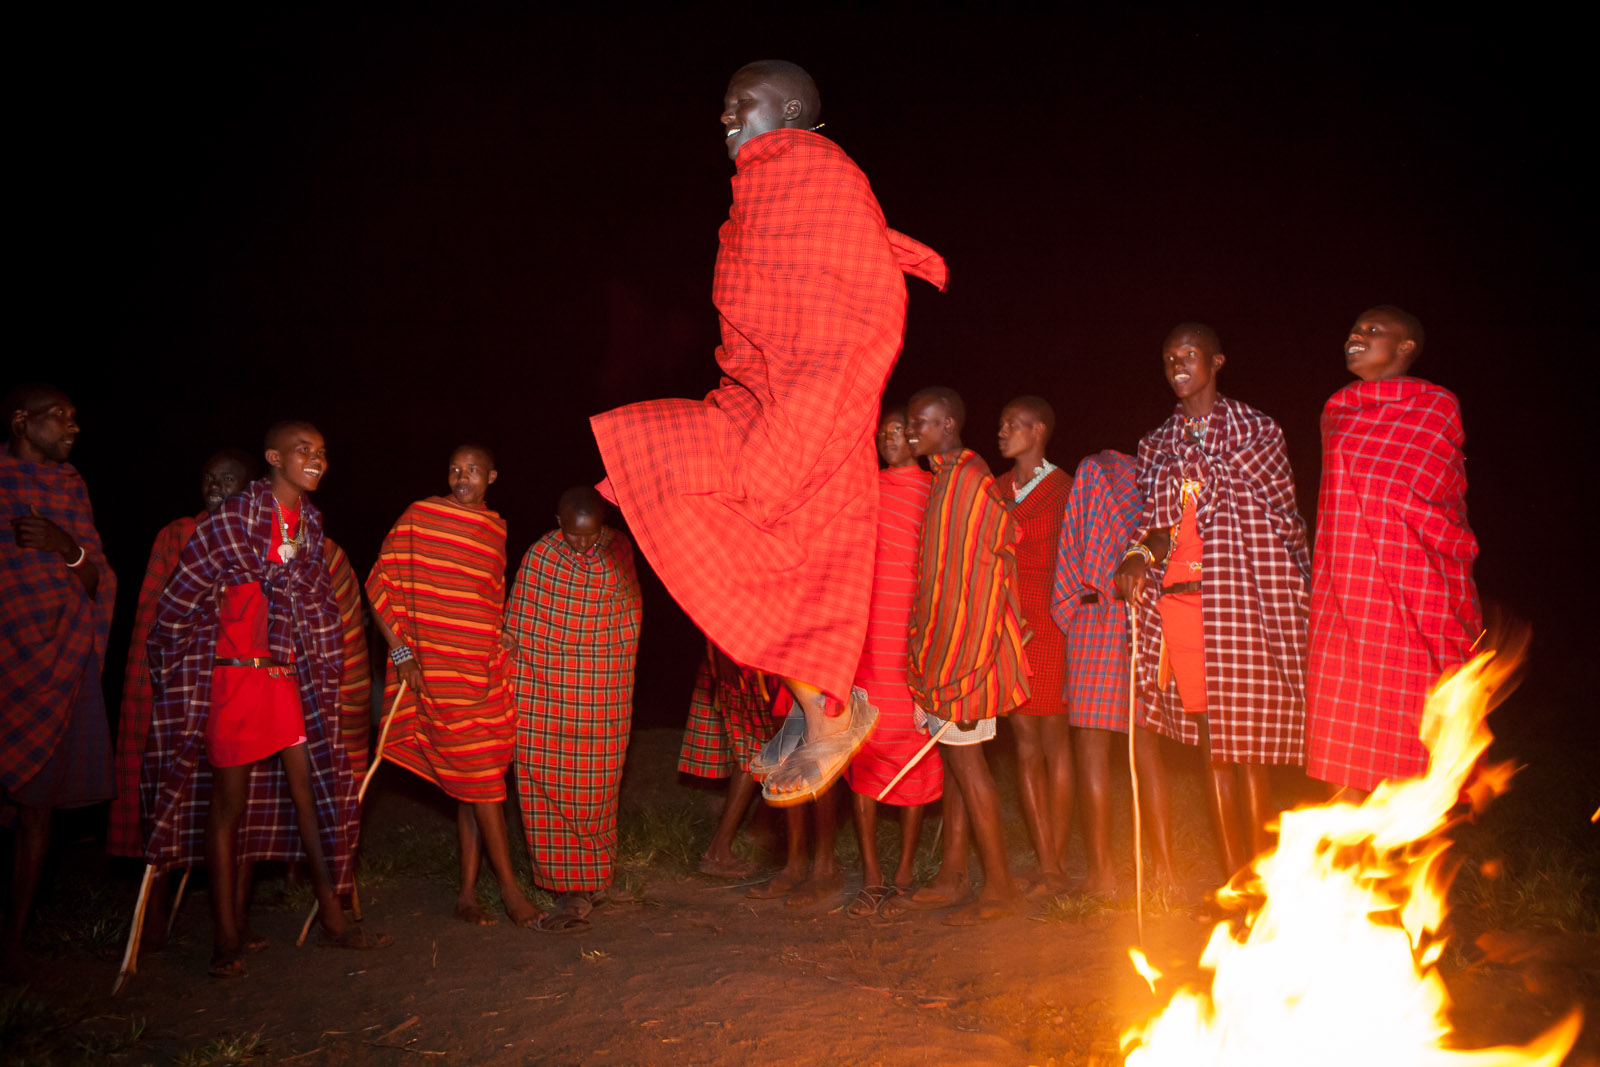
(1021, 431)
(46, 430)
(1379, 346)
(471, 474)
(300, 457)
(1191, 359)
(893, 448)
(220, 478)
(930, 428)
(580, 530)
(753, 105)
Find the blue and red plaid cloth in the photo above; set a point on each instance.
(49, 628)
(229, 548)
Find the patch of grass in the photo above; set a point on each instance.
(674, 834)
(82, 914)
(1073, 908)
(240, 1049)
(1548, 886)
(95, 1048)
(26, 1024)
(32, 1032)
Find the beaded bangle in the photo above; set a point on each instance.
(83, 553)
(401, 654)
(1140, 549)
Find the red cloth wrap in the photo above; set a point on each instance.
(1393, 604)
(757, 506)
(902, 499)
(1038, 521)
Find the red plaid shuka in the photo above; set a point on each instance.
(757, 506)
(903, 498)
(1393, 604)
(576, 620)
(229, 548)
(51, 633)
(1257, 584)
(440, 586)
(1038, 522)
(1102, 514)
(727, 724)
(355, 677)
(967, 631)
(124, 836)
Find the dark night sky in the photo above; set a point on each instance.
(414, 227)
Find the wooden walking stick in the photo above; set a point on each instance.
(177, 898)
(361, 794)
(130, 956)
(914, 760)
(1133, 770)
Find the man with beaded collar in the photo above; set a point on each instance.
(1221, 573)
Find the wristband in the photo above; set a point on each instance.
(401, 654)
(83, 554)
(1140, 549)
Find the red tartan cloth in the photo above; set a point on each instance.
(902, 498)
(1393, 605)
(355, 677)
(1256, 594)
(439, 584)
(1102, 514)
(727, 724)
(576, 620)
(757, 505)
(228, 548)
(966, 657)
(49, 628)
(1038, 521)
(123, 834)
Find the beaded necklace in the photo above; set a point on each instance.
(291, 545)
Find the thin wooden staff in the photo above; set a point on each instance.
(361, 794)
(130, 955)
(177, 898)
(1133, 770)
(914, 760)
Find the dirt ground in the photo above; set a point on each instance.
(692, 973)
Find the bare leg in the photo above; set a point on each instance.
(490, 824)
(222, 824)
(32, 844)
(1259, 810)
(1224, 804)
(910, 835)
(1154, 804)
(798, 864)
(467, 909)
(297, 769)
(1056, 732)
(1033, 792)
(156, 914)
(814, 703)
(950, 884)
(1093, 750)
(719, 854)
(825, 878)
(971, 772)
(865, 810)
(244, 877)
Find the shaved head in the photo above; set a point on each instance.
(949, 399)
(1406, 321)
(1199, 331)
(1039, 408)
(793, 82)
(273, 439)
(581, 501)
(30, 397)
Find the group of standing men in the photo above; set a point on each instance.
(245, 714)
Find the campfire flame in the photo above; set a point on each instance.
(1336, 964)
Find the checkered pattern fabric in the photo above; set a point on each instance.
(903, 498)
(1393, 604)
(1257, 584)
(966, 660)
(757, 505)
(49, 628)
(576, 620)
(1102, 514)
(229, 548)
(1038, 521)
(727, 724)
(124, 836)
(439, 584)
(355, 677)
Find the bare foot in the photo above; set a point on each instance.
(250, 941)
(727, 867)
(778, 885)
(520, 910)
(469, 912)
(1099, 884)
(942, 892)
(817, 888)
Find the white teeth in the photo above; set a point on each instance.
(732, 130)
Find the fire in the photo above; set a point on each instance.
(1336, 964)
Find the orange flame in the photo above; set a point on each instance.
(1336, 965)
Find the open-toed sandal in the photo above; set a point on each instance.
(790, 736)
(815, 765)
(869, 900)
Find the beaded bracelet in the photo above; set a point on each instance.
(401, 654)
(83, 554)
(1140, 549)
